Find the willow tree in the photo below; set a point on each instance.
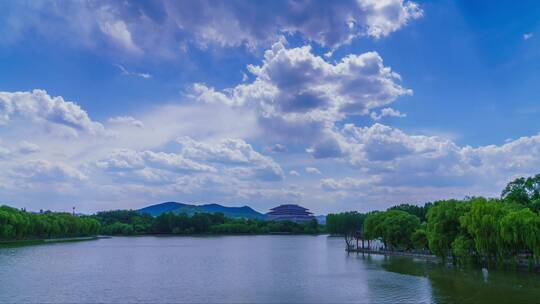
(347, 224)
(482, 222)
(520, 232)
(373, 226)
(419, 211)
(443, 226)
(398, 228)
(419, 238)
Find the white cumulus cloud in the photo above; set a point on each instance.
(386, 112)
(299, 96)
(127, 120)
(294, 173)
(40, 107)
(313, 170)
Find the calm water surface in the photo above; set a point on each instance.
(261, 269)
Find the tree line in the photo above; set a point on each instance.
(21, 225)
(18, 224)
(472, 230)
(128, 222)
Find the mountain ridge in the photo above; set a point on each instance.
(190, 209)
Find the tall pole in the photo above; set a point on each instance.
(73, 210)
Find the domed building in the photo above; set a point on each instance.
(290, 212)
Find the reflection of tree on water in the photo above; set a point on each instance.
(453, 285)
(405, 265)
(391, 286)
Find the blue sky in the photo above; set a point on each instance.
(352, 105)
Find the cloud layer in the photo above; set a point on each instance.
(300, 127)
(165, 27)
(375, 163)
(37, 106)
(299, 97)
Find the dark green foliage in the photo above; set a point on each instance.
(463, 250)
(482, 222)
(21, 225)
(519, 230)
(476, 229)
(311, 227)
(124, 222)
(488, 230)
(127, 222)
(394, 228)
(443, 225)
(373, 225)
(199, 223)
(418, 211)
(347, 224)
(399, 227)
(524, 191)
(419, 238)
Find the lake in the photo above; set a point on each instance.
(232, 269)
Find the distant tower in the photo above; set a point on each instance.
(73, 210)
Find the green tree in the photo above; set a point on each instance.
(418, 211)
(311, 227)
(520, 231)
(482, 223)
(524, 191)
(420, 239)
(20, 225)
(398, 228)
(443, 226)
(347, 224)
(373, 225)
(463, 250)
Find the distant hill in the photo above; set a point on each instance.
(158, 209)
(244, 212)
(234, 212)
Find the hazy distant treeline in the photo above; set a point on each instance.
(470, 230)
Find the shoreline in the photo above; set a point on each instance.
(520, 266)
(216, 234)
(428, 257)
(20, 243)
